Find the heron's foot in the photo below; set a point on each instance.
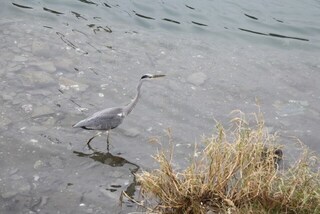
(90, 147)
(108, 150)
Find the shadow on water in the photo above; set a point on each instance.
(70, 44)
(171, 20)
(22, 6)
(143, 16)
(251, 17)
(52, 11)
(88, 2)
(78, 15)
(113, 161)
(192, 8)
(273, 35)
(99, 28)
(198, 23)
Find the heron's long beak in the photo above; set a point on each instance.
(158, 75)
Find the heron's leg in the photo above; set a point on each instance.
(88, 143)
(107, 140)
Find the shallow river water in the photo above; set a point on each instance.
(60, 61)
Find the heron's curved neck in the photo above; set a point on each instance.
(128, 108)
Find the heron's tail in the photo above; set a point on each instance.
(77, 125)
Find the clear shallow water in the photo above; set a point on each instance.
(63, 60)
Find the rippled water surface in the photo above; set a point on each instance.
(60, 61)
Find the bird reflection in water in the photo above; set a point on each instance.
(113, 161)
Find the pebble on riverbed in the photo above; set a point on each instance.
(4, 121)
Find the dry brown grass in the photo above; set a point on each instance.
(237, 172)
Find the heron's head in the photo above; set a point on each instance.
(151, 76)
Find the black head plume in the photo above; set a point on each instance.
(152, 76)
(146, 76)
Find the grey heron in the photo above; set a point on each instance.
(111, 118)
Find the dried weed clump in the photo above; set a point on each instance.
(237, 172)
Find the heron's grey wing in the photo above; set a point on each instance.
(103, 120)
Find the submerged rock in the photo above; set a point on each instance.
(4, 121)
(64, 64)
(45, 66)
(13, 67)
(42, 111)
(291, 108)
(8, 194)
(40, 49)
(197, 78)
(66, 84)
(20, 58)
(29, 78)
(16, 187)
(56, 162)
(130, 132)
